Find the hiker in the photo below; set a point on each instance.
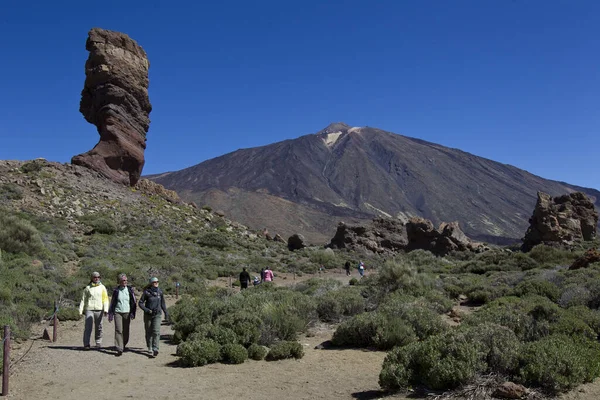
(122, 310)
(152, 302)
(244, 279)
(256, 281)
(262, 274)
(268, 275)
(347, 268)
(361, 269)
(94, 305)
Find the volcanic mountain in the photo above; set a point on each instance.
(309, 184)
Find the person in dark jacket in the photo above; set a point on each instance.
(244, 278)
(152, 302)
(122, 310)
(347, 268)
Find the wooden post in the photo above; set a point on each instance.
(55, 323)
(176, 290)
(6, 360)
(230, 284)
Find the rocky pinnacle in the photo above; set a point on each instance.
(115, 99)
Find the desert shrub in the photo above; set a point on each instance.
(353, 281)
(559, 362)
(100, 223)
(217, 240)
(196, 353)
(187, 314)
(395, 332)
(68, 314)
(497, 346)
(10, 191)
(218, 333)
(316, 286)
(575, 296)
(246, 326)
(234, 353)
(257, 352)
(549, 257)
(18, 235)
(538, 287)
(441, 362)
(279, 323)
(285, 349)
(423, 320)
(374, 329)
(359, 330)
(337, 303)
(32, 166)
(590, 317)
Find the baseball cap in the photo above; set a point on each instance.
(153, 279)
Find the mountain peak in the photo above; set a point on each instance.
(336, 127)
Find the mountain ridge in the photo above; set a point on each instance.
(356, 173)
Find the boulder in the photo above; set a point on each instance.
(388, 236)
(115, 99)
(296, 242)
(590, 256)
(153, 188)
(510, 390)
(561, 220)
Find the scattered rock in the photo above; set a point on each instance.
(590, 256)
(561, 220)
(115, 99)
(151, 187)
(278, 238)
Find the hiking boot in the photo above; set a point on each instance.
(119, 353)
(155, 353)
(86, 347)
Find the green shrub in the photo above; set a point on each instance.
(374, 329)
(496, 345)
(10, 191)
(234, 353)
(353, 281)
(216, 240)
(218, 333)
(18, 235)
(100, 223)
(337, 303)
(246, 326)
(68, 314)
(558, 362)
(538, 287)
(257, 352)
(285, 349)
(197, 353)
(32, 166)
(441, 362)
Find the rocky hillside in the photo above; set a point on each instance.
(309, 184)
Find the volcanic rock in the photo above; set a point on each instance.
(385, 235)
(561, 220)
(590, 256)
(296, 242)
(115, 99)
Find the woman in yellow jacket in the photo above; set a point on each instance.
(94, 305)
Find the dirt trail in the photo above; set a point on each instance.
(63, 370)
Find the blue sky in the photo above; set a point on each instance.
(514, 81)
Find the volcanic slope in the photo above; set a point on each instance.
(309, 184)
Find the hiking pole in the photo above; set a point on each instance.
(6, 360)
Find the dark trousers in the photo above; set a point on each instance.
(244, 284)
(122, 322)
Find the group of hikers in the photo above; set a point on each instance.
(122, 310)
(266, 275)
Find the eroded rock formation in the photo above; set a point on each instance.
(115, 99)
(561, 220)
(389, 236)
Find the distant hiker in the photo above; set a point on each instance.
(256, 281)
(94, 305)
(268, 275)
(152, 302)
(244, 278)
(262, 274)
(361, 269)
(347, 268)
(122, 310)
